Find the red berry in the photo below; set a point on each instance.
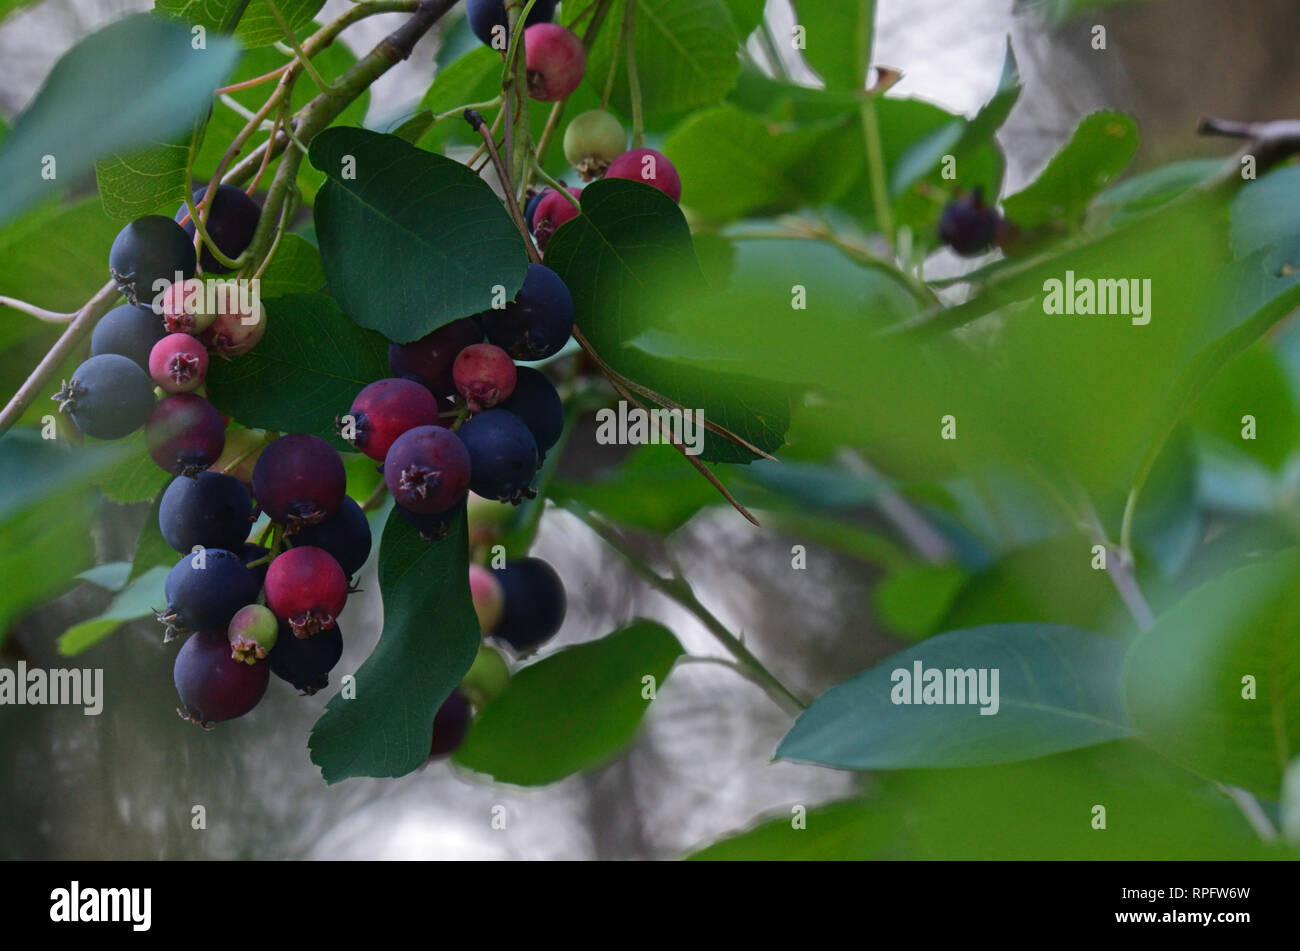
(306, 588)
(383, 411)
(427, 470)
(430, 358)
(213, 686)
(238, 328)
(184, 307)
(185, 434)
(488, 597)
(485, 375)
(553, 211)
(178, 363)
(649, 166)
(556, 61)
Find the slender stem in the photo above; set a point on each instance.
(924, 538)
(564, 192)
(303, 59)
(633, 79)
(518, 148)
(1119, 565)
(376, 498)
(38, 312)
(507, 187)
(876, 166)
(681, 592)
(75, 332)
(250, 83)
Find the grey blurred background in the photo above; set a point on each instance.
(122, 785)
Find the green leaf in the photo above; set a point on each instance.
(572, 710)
(685, 54)
(304, 372)
(295, 269)
(141, 182)
(12, 6)
(838, 41)
(1154, 188)
(140, 598)
(430, 638)
(1186, 681)
(1058, 688)
(136, 477)
(1266, 212)
(150, 98)
(472, 77)
(1101, 147)
(414, 240)
(1043, 809)
(735, 164)
(412, 129)
(746, 14)
(218, 16)
(628, 261)
(259, 27)
(913, 601)
(653, 489)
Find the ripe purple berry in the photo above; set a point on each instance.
(108, 396)
(299, 480)
(252, 633)
(556, 61)
(345, 535)
(538, 322)
(650, 167)
(147, 255)
(450, 725)
(185, 434)
(534, 604)
(427, 470)
(130, 331)
(212, 685)
(204, 590)
(430, 358)
(485, 375)
(178, 363)
(230, 223)
(502, 455)
(306, 588)
(305, 662)
(968, 226)
(209, 511)
(383, 411)
(485, 16)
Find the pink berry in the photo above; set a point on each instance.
(306, 588)
(488, 595)
(649, 166)
(485, 375)
(383, 411)
(178, 363)
(238, 328)
(556, 61)
(184, 307)
(552, 211)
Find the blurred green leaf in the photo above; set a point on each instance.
(838, 40)
(220, 16)
(746, 14)
(140, 598)
(1101, 147)
(430, 638)
(1151, 189)
(1267, 211)
(151, 98)
(573, 709)
(1186, 683)
(136, 477)
(654, 489)
(142, 181)
(913, 601)
(1057, 688)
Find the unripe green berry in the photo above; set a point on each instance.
(592, 141)
(486, 678)
(252, 633)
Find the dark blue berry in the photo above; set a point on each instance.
(969, 226)
(211, 510)
(231, 221)
(305, 662)
(147, 255)
(450, 725)
(108, 396)
(530, 209)
(345, 535)
(534, 604)
(537, 323)
(502, 454)
(535, 401)
(204, 590)
(129, 331)
(486, 14)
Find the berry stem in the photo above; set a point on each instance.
(876, 165)
(512, 203)
(514, 84)
(376, 497)
(38, 312)
(250, 83)
(679, 590)
(303, 60)
(564, 192)
(633, 79)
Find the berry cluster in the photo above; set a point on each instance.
(164, 336)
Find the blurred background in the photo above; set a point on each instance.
(123, 784)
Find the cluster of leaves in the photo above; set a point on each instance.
(1059, 419)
